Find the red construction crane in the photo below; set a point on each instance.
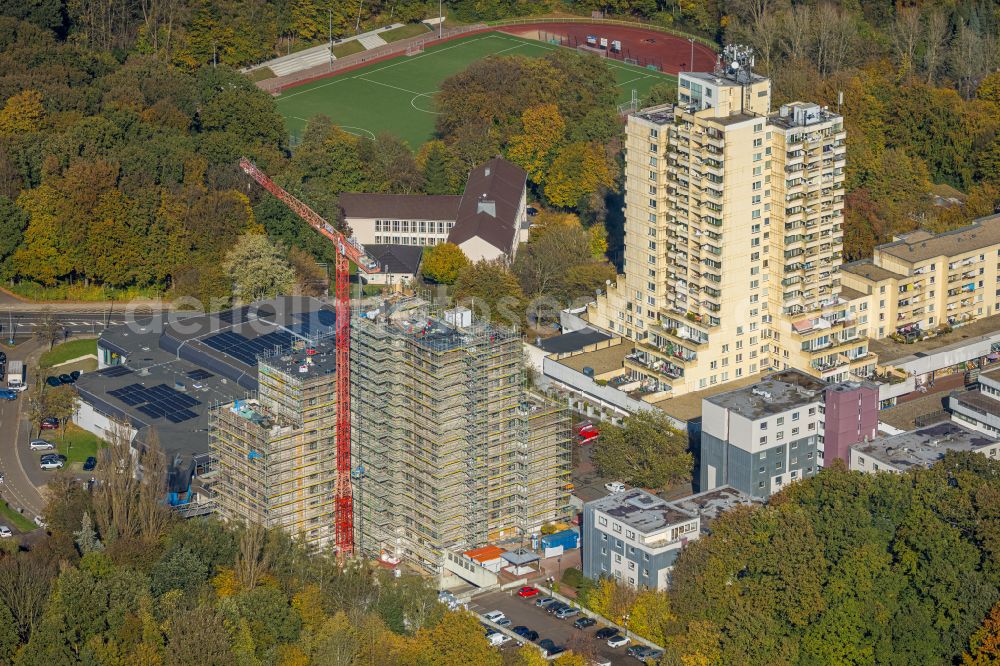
(347, 251)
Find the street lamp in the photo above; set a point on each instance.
(691, 62)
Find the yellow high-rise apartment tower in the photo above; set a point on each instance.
(733, 238)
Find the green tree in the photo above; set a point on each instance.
(13, 222)
(984, 646)
(543, 129)
(442, 263)
(647, 451)
(438, 167)
(9, 640)
(491, 291)
(22, 112)
(257, 269)
(660, 93)
(577, 170)
(178, 569)
(86, 538)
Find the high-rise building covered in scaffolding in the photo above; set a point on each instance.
(449, 449)
(275, 451)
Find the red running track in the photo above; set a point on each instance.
(671, 53)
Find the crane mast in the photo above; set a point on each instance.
(347, 251)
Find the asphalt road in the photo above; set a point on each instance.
(16, 461)
(525, 612)
(23, 324)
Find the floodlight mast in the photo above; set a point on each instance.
(348, 251)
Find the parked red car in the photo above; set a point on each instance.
(527, 592)
(50, 423)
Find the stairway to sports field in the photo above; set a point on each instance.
(371, 41)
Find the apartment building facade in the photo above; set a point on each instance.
(275, 452)
(732, 237)
(923, 282)
(762, 437)
(450, 451)
(634, 537)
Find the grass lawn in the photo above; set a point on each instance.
(348, 48)
(13, 518)
(408, 30)
(397, 95)
(261, 74)
(68, 350)
(77, 444)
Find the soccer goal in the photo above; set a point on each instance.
(631, 61)
(415, 49)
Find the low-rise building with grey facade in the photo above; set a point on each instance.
(759, 438)
(635, 537)
(711, 504)
(919, 448)
(979, 408)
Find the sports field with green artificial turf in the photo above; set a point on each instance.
(397, 95)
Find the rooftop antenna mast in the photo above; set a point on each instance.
(736, 64)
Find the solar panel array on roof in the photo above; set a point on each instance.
(234, 316)
(158, 401)
(114, 371)
(321, 322)
(246, 350)
(199, 374)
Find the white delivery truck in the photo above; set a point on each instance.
(17, 379)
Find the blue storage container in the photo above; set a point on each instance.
(567, 539)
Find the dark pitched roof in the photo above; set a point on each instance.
(490, 204)
(396, 258)
(400, 206)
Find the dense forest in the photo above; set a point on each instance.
(121, 171)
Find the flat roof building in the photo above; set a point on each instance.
(919, 448)
(761, 437)
(923, 283)
(165, 372)
(635, 537)
(711, 504)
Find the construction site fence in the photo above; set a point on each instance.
(279, 84)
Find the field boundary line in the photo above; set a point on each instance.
(396, 49)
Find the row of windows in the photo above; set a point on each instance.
(408, 240)
(414, 226)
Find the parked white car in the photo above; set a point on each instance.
(618, 640)
(615, 487)
(41, 445)
(5, 532)
(51, 464)
(41, 523)
(495, 616)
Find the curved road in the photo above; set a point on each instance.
(15, 458)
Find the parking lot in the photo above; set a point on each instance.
(525, 612)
